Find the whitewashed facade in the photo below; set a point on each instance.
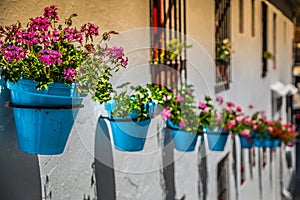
(158, 172)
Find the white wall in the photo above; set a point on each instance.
(247, 86)
(140, 176)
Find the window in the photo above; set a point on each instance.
(241, 16)
(252, 18)
(223, 22)
(264, 38)
(223, 186)
(167, 17)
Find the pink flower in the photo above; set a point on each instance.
(70, 74)
(219, 117)
(166, 113)
(228, 109)
(245, 133)
(219, 99)
(90, 30)
(50, 57)
(247, 120)
(270, 129)
(268, 122)
(290, 144)
(255, 127)
(293, 127)
(239, 119)
(179, 99)
(231, 124)
(189, 91)
(182, 124)
(206, 110)
(202, 105)
(51, 13)
(238, 109)
(262, 113)
(230, 104)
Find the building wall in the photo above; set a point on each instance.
(158, 172)
(246, 61)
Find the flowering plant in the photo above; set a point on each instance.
(212, 119)
(139, 104)
(46, 52)
(243, 123)
(173, 49)
(223, 49)
(95, 73)
(285, 132)
(180, 109)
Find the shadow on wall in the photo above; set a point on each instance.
(104, 164)
(19, 172)
(168, 163)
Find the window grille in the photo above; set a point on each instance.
(264, 38)
(223, 24)
(168, 19)
(252, 18)
(241, 16)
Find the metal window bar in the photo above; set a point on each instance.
(253, 18)
(168, 20)
(264, 38)
(274, 39)
(222, 31)
(241, 16)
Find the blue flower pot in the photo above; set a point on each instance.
(258, 142)
(268, 142)
(276, 143)
(246, 142)
(217, 139)
(129, 135)
(183, 140)
(44, 119)
(58, 94)
(151, 108)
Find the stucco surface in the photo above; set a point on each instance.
(89, 154)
